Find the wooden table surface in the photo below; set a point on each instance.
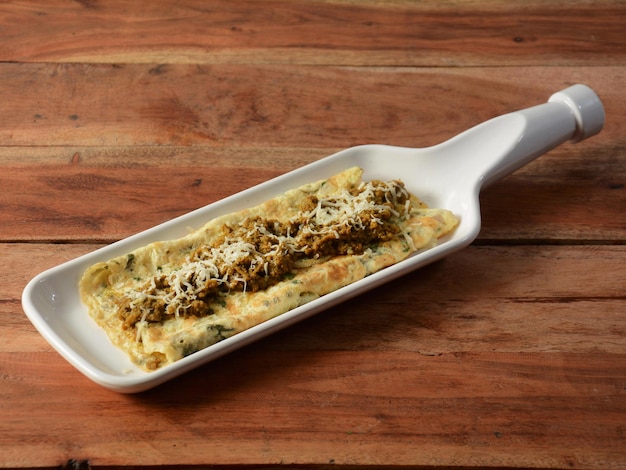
(118, 115)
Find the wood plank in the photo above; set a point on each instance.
(400, 32)
(274, 106)
(574, 193)
(101, 176)
(119, 115)
(342, 407)
(454, 351)
(473, 373)
(530, 299)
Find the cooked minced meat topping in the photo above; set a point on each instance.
(260, 252)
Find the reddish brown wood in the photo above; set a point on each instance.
(527, 299)
(108, 105)
(107, 175)
(118, 115)
(567, 196)
(377, 33)
(370, 407)
(436, 368)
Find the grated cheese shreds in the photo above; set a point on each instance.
(169, 299)
(331, 213)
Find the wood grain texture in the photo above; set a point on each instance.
(572, 194)
(374, 407)
(371, 33)
(83, 162)
(527, 299)
(278, 106)
(471, 372)
(118, 115)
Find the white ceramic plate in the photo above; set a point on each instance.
(449, 175)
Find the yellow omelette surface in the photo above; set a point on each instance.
(154, 344)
